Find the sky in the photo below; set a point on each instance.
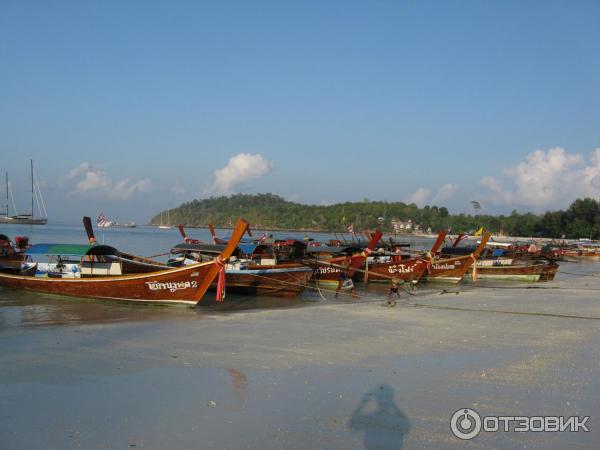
(134, 107)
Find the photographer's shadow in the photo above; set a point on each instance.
(382, 422)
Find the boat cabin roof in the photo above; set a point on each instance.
(71, 250)
(334, 249)
(242, 248)
(458, 251)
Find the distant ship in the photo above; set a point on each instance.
(26, 219)
(105, 222)
(168, 226)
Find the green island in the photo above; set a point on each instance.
(270, 211)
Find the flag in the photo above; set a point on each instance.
(476, 205)
(478, 232)
(350, 228)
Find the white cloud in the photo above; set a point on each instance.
(419, 197)
(492, 184)
(241, 168)
(446, 192)
(423, 195)
(90, 179)
(546, 180)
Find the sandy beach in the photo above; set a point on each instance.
(314, 373)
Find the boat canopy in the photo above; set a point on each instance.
(458, 251)
(71, 250)
(200, 248)
(334, 249)
(245, 248)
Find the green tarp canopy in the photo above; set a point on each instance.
(71, 249)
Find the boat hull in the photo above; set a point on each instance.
(180, 285)
(275, 281)
(12, 263)
(451, 270)
(408, 270)
(538, 271)
(22, 220)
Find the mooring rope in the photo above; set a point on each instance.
(371, 299)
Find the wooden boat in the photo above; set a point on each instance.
(410, 270)
(452, 270)
(130, 263)
(587, 251)
(397, 266)
(511, 270)
(12, 258)
(503, 261)
(26, 219)
(253, 269)
(185, 285)
(327, 267)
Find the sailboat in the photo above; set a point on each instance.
(26, 219)
(168, 226)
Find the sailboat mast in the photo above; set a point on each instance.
(6, 194)
(31, 161)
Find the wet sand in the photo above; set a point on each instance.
(306, 373)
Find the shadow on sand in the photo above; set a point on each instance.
(382, 422)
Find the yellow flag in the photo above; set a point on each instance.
(478, 232)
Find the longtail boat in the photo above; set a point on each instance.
(410, 270)
(327, 268)
(509, 269)
(253, 269)
(12, 257)
(494, 265)
(452, 270)
(394, 266)
(583, 251)
(185, 285)
(130, 264)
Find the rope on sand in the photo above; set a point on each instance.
(410, 291)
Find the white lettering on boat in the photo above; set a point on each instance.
(401, 268)
(444, 266)
(172, 286)
(324, 270)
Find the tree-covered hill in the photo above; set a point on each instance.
(269, 211)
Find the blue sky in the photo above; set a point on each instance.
(433, 102)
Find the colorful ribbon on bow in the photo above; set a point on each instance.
(474, 267)
(221, 279)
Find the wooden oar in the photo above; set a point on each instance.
(240, 228)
